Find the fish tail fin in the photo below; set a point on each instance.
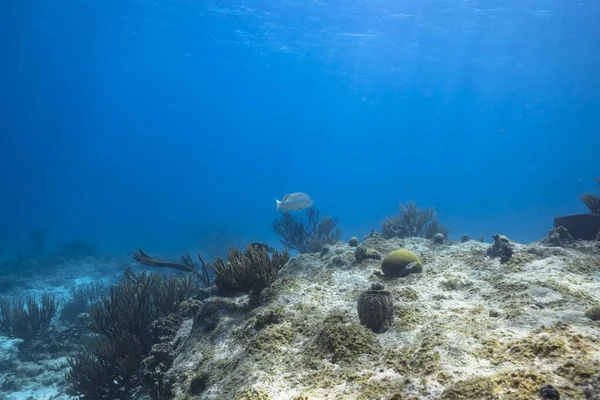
(278, 203)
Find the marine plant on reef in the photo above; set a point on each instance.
(81, 298)
(412, 221)
(249, 271)
(27, 319)
(309, 236)
(592, 201)
(122, 323)
(186, 265)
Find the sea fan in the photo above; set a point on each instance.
(592, 201)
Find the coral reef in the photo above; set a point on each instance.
(27, 319)
(412, 221)
(36, 369)
(469, 327)
(249, 271)
(309, 236)
(126, 331)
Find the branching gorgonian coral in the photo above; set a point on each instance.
(309, 236)
(592, 201)
(27, 319)
(412, 221)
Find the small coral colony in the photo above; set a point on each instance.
(118, 338)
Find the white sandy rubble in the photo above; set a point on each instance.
(466, 300)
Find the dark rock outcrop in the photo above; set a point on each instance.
(502, 247)
(558, 237)
(580, 226)
(362, 252)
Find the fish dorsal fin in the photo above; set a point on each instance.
(287, 196)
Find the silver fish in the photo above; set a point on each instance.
(410, 266)
(294, 202)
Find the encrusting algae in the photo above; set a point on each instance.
(452, 337)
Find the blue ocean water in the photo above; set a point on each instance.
(175, 124)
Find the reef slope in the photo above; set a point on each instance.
(467, 327)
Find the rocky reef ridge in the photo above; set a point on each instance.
(474, 321)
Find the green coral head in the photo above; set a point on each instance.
(401, 262)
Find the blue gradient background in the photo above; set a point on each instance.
(171, 125)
